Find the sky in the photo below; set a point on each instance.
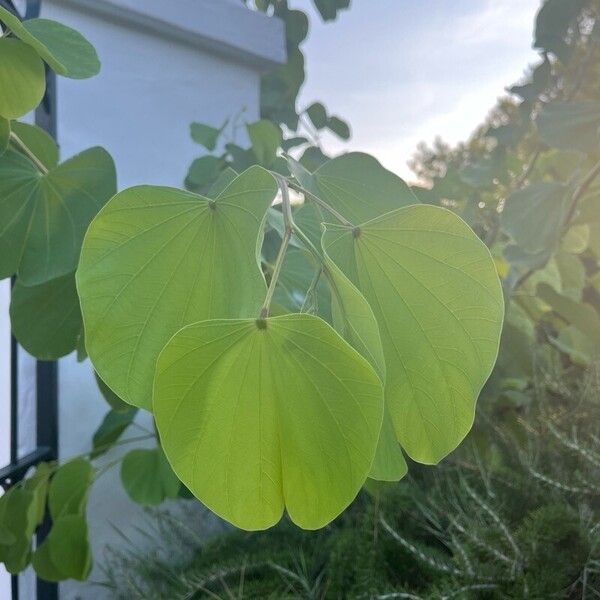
(405, 71)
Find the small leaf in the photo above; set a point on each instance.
(318, 115)
(46, 319)
(69, 488)
(203, 172)
(339, 127)
(65, 50)
(110, 430)
(570, 125)
(22, 78)
(205, 135)
(177, 258)
(265, 138)
(299, 415)
(65, 553)
(148, 478)
(38, 141)
(434, 290)
(46, 216)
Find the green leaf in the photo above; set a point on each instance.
(110, 430)
(357, 186)
(265, 138)
(389, 463)
(318, 115)
(177, 258)
(533, 216)
(65, 553)
(66, 51)
(205, 135)
(580, 348)
(328, 9)
(581, 315)
(44, 217)
(296, 26)
(257, 415)
(225, 178)
(18, 512)
(148, 478)
(313, 158)
(111, 398)
(354, 320)
(45, 318)
(4, 135)
(38, 141)
(570, 125)
(433, 287)
(339, 127)
(203, 172)
(22, 78)
(37, 484)
(69, 488)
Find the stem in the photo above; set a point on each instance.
(322, 203)
(30, 155)
(288, 224)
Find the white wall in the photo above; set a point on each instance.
(139, 108)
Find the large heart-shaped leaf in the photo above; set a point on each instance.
(46, 319)
(357, 186)
(156, 259)
(254, 416)
(436, 295)
(22, 78)
(66, 51)
(43, 217)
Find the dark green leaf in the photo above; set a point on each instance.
(69, 488)
(45, 318)
(205, 135)
(148, 478)
(110, 430)
(318, 115)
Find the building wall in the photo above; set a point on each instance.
(156, 79)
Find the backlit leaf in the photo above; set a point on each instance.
(258, 416)
(265, 137)
(177, 258)
(434, 290)
(356, 185)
